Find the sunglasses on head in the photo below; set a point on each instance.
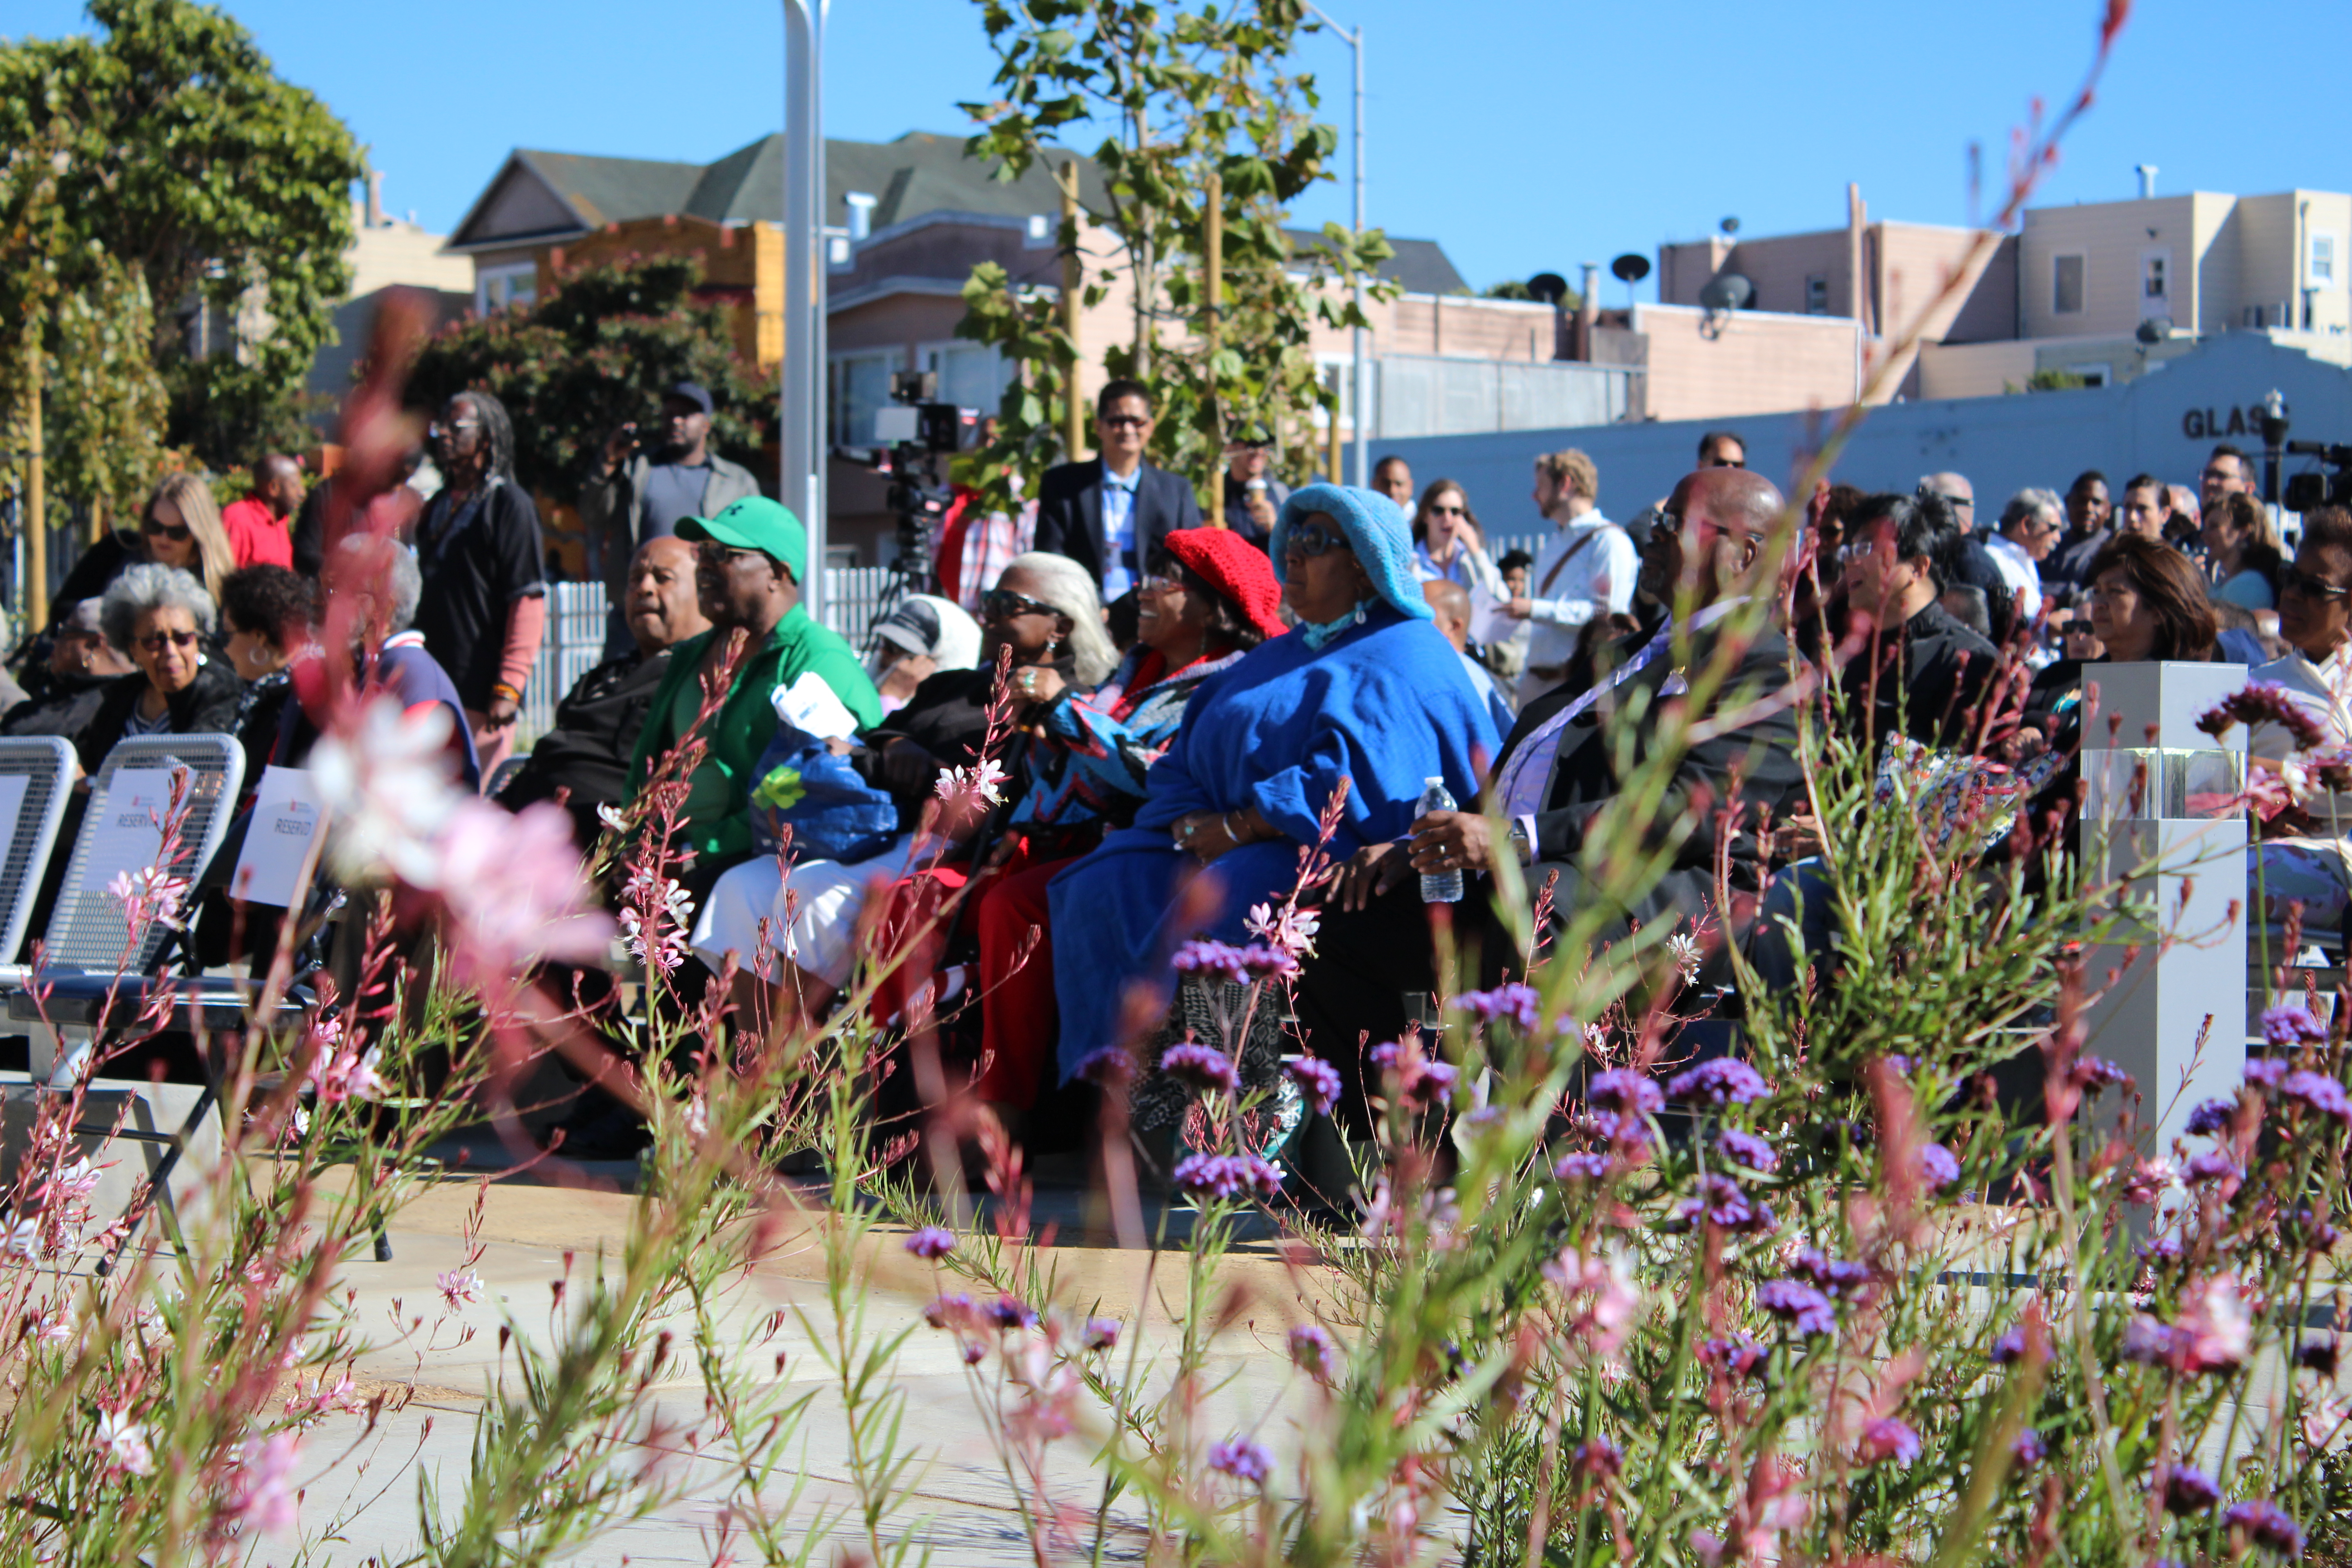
(179, 534)
(2294, 580)
(153, 642)
(1313, 540)
(1004, 605)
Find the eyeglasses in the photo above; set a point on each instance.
(2294, 580)
(1004, 605)
(723, 556)
(1954, 502)
(1159, 583)
(1123, 421)
(1449, 510)
(153, 642)
(2224, 474)
(178, 533)
(441, 432)
(1312, 540)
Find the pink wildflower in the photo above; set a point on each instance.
(123, 1443)
(1888, 1439)
(1603, 1296)
(458, 1286)
(265, 1500)
(1289, 929)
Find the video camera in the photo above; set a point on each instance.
(2304, 492)
(909, 437)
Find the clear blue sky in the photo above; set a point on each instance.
(1524, 137)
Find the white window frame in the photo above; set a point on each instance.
(2322, 260)
(837, 365)
(489, 297)
(2082, 281)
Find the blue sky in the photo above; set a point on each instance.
(1524, 137)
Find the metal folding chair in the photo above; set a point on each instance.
(45, 763)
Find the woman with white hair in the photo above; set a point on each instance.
(1044, 610)
(162, 619)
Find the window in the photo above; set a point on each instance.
(500, 287)
(1817, 294)
(2151, 274)
(2321, 270)
(2093, 374)
(971, 376)
(2066, 285)
(861, 385)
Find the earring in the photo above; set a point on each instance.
(1359, 612)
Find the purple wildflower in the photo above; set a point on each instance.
(1887, 1438)
(1212, 961)
(947, 1310)
(1802, 1306)
(1203, 1066)
(1317, 1079)
(2159, 1249)
(1227, 1176)
(2291, 1024)
(1725, 1207)
(1102, 1333)
(2210, 1167)
(1937, 1166)
(1244, 1459)
(931, 1242)
(1722, 1081)
(1739, 1355)
(2008, 1347)
(1582, 1167)
(1006, 1313)
(2212, 1117)
(2029, 1450)
(1624, 1091)
(2261, 701)
(1599, 1458)
(1513, 1004)
(2317, 1091)
(1836, 1276)
(2150, 1343)
(2187, 1489)
(2266, 1524)
(1748, 1150)
(1314, 1352)
(1112, 1067)
(2095, 1073)
(1429, 1082)
(2263, 1071)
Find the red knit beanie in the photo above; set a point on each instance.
(1234, 568)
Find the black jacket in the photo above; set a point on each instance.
(595, 734)
(1691, 815)
(1070, 520)
(95, 568)
(1926, 680)
(206, 706)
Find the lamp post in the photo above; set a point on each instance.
(1361, 371)
(802, 401)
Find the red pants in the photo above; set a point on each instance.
(1019, 1021)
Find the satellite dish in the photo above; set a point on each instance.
(2154, 329)
(1549, 287)
(1630, 268)
(1730, 226)
(1726, 292)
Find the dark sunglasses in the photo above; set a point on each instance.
(1312, 540)
(179, 534)
(1004, 605)
(153, 641)
(2294, 580)
(1123, 421)
(1450, 510)
(451, 431)
(717, 554)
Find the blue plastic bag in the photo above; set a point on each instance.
(833, 814)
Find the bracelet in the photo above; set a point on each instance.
(500, 688)
(1225, 821)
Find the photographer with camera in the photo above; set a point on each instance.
(631, 496)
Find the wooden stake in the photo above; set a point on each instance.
(37, 502)
(1073, 413)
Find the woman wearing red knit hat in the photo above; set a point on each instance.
(1206, 598)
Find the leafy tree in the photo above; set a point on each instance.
(1186, 94)
(188, 161)
(596, 352)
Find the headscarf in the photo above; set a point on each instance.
(1376, 531)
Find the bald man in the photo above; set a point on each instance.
(1557, 781)
(587, 752)
(257, 526)
(1450, 602)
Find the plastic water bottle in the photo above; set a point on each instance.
(1443, 886)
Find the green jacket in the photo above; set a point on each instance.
(745, 723)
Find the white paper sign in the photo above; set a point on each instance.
(12, 807)
(810, 706)
(129, 836)
(1488, 624)
(285, 816)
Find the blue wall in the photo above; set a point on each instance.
(2165, 424)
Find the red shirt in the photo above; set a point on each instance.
(256, 537)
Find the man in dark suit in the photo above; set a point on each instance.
(1558, 778)
(1110, 514)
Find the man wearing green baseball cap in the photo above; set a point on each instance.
(749, 561)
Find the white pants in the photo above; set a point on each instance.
(818, 931)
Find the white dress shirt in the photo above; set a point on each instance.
(1566, 591)
(2017, 569)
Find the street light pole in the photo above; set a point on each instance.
(1361, 371)
(802, 398)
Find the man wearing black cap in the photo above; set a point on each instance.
(631, 496)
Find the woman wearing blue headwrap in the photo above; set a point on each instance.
(1363, 689)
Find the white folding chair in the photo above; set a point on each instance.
(46, 766)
